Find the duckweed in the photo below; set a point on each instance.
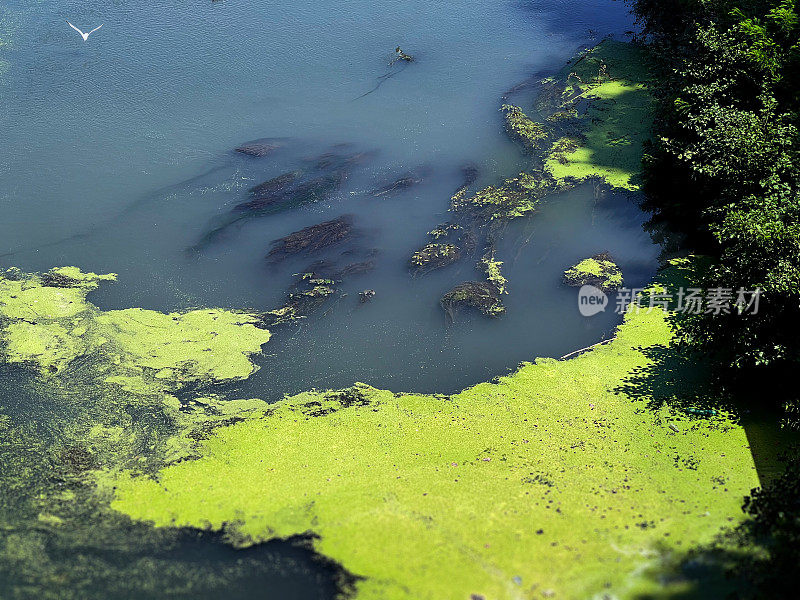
(562, 477)
(599, 270)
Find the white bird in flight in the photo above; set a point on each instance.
(85, 36)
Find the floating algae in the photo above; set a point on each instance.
(434, 256)
(522, 128)
(595, 115)
(92, 392)
(599, 270)
(601, 112)
(46, 325)
(542, 478)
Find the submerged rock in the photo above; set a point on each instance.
(290, 190)
(339, 160)
(434, 256)
(260, 148)
(480, 295)
(313, 239)
(470, 173)
(401, 184)
(284, 197)
(599, 270)
(355, 268)
(274, 186)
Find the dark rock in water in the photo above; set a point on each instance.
(434, 256)
(473, 294)
(276, 184)
(275, 195)
(398, 186)
(311, 240)
(339, 160)
(356, 268)
(260, 148)
(403, 183)
(470, 174)
(317, 189)
(366, 295)
(289, 190)
(269, 193)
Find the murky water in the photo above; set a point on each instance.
(117, 154)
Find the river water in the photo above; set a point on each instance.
(116, 155)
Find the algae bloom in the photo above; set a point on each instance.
(575, 477)
(599, 270)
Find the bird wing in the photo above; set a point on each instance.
(93, 30)
(75, 28)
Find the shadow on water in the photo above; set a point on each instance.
(183, 564)
(681, 380)
(726, 567)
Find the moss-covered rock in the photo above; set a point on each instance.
(308, 294)
(599, 270)
(434, 256)
(445, 230)
(511, 199)
(492, 268)
(480, 295)
(522, 128)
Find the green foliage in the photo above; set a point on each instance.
(725, 163)
(774, 526)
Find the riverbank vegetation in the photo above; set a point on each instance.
(724, 170)
(724, 165)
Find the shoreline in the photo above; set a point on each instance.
(404, 477)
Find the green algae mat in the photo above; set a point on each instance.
(550, 482)
(566, 479)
